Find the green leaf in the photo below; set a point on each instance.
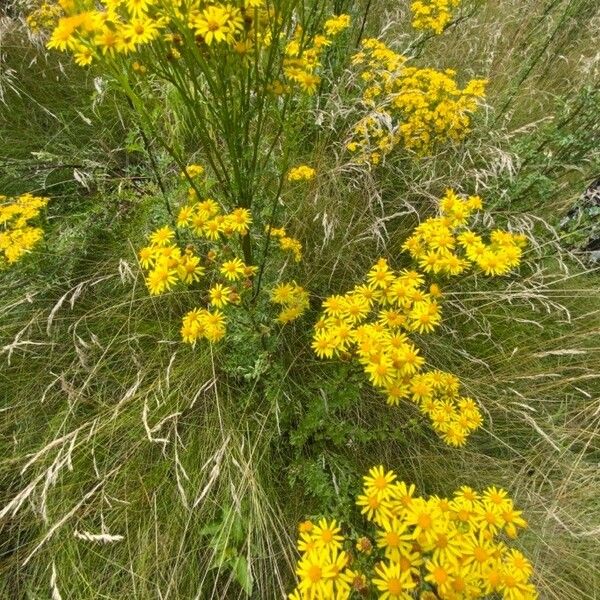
(242, 574)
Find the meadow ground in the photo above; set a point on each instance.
(133, 465)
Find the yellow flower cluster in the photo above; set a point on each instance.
(192, 171)
(374, 320)
(446, 245)
(100, 30)
(432, 14)
(44, 16)
(203, 324)
(337, 24)
(97, 30)
(227, 276)
(323, 569)
(453, 546)
(411, 106)
(17, 235)
(302, 60)
(293, 299)
(286, 243)
(205, 220)
(217, 23)
(301, 173)
(167, 265)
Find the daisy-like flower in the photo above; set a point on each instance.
(185, 216)
(162, 236)
(379, 481)
(217, 24)
(147, 256)
(219, 295)
(233, 269)
(189, 269)
(283, 293)
(161, 279)
(239, 220)
(394, 538)
(316, 575)
(141, 31)
(215, 326)
(327, 535)
(393, 583)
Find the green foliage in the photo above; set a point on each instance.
(555, 157)
(227, 537)
(280, 436)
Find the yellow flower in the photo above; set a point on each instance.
(516, 564)
(147, 256)
(393, 582)
(424, 316)
(305, 526)
(218, 24)
(239, 220)
(380, 371)
(323, 344)
(439, 575)
(193, 325)
(213, 228)
(63, 37)
(162, 236)
(426, 519)
(283, 293)
(215, 326)
(394, 538)
(233, 269)
(192, 171)
(161, 279)
(327, 534)
(185, 216)
(380, 276)
(138, 7)
(477, 551)
(336, 24)
(108, 40)
(141, 30)
(301, 173)
(83, 55)
(378, 481)
(220, 295)
(315, 574)
(189, 269)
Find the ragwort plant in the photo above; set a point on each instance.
(230, 279)
(18, 235)
(448, 548)
(238, 71)
(403, 304)
(233, 67)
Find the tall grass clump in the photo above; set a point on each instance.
(298, 318)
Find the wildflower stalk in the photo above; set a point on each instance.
(265, 252)
(363, 23)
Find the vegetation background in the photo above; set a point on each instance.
(144, 469)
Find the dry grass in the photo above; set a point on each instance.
(121, 449)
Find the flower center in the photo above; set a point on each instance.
(394, 585)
